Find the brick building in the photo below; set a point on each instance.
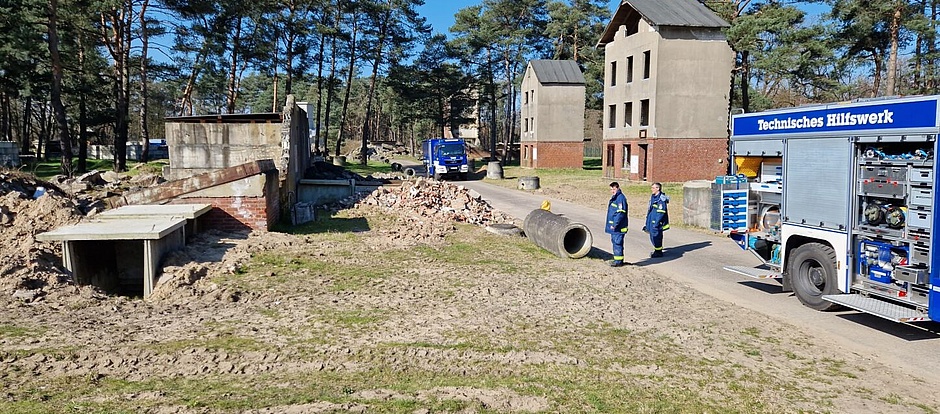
(666, 95)
(552, 115)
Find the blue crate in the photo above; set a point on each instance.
(730, 179)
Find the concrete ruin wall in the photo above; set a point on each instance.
(200, 144)
(251, 203)
(198, 147)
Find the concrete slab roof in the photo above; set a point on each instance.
(186, 211)
(557, 72)
(682, 13)
(227, 118)
(126, 229)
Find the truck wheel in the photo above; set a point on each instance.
(463, 176)
(437, 176)
(812, 271)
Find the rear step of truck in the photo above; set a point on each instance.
(879, 308)
(755, 272)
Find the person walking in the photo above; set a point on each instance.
(616, 222)
(657, 218)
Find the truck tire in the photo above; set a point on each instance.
(463, 176)
(812, 272)
(437, 176)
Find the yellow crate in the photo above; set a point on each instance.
(749, 166)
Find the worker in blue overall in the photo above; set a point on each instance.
(657, 218)
(616, 222)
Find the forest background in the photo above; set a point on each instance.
(108, 72)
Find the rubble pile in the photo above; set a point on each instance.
(29, 207)
(89, 190)
(325, 171)
(381, 152)
(430, 208)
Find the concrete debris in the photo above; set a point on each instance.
(381, 152)
(429, 208)
(325, 171)
(89, 189)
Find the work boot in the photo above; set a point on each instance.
(656, 253)
(615, 263)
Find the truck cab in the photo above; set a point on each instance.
(445, 157)
(839, 203)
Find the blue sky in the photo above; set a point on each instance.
(440, 13)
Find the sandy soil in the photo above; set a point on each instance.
(537, 316)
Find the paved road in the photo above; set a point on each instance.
(695, 259)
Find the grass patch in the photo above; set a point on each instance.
(45, 170)
(350, 319)
(372, 167)
(8, 331)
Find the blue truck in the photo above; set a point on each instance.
(445, 157)
(839, 203)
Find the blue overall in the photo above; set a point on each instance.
(617, 224)
(657, 220)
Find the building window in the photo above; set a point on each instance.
(610, 155)
(629, 69)
(645, 112)
(646, 64)
(526, 123)
(532, 123)
(526, 102)
(612, 116)
(613, 73)
(628, 114)
(626, 156)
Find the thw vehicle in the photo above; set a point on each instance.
(840, 204)
(445, 157)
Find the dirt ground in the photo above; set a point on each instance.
(363, 318)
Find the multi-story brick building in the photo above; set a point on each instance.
(666, 96)
(552, 115)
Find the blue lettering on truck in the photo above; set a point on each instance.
(897, 115)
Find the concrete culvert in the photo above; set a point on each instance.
(410, 172)
(396, 166)
(558, 234)
(529, 183)
(504, 229)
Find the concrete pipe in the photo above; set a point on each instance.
(529, 183)
(410, 172)
(558, 234)
(494, 170)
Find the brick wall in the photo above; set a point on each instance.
(668, 160)
(553, 155)
(237, 213)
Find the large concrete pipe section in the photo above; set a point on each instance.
(558, 234)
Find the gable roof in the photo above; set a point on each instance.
(681, 13)
(557, 72)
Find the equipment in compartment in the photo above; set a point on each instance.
(877, 260)
(894, 217)
(877, 212)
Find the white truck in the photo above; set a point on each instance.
(839, 203)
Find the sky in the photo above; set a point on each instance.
(440, 13)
